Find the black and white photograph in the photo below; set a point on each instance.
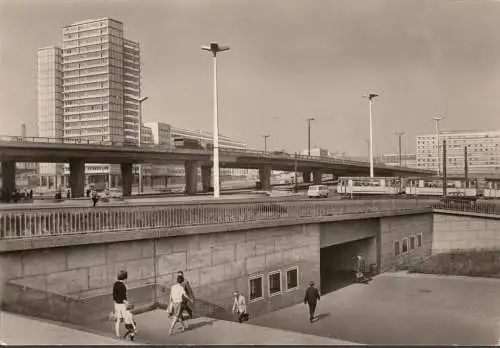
(250, 172)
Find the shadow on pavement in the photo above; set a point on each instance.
(201, 324)
(322, 316)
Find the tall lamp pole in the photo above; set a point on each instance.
(370, 97)
(436, 121)
(265, 142)
(214, 48)
(309, 135)
(400, 134)
(139, 140)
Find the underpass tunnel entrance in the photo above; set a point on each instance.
(339, 263)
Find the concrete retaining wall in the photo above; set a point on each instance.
(465, 232)
(347, 231)
(398, 228)
(215, 264)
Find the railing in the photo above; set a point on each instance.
(469, 206)
(232, 151)
(66, 221)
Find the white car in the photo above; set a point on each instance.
(115, 193)
(318, 191)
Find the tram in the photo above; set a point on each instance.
(492, 188)
(433, 186)
(369, 186)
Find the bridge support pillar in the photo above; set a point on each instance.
(265, 178)
(316, 177)
(306, 177)
(127, 177)
(191, 172)
(206, 178)
(8, 179)
(77, 177)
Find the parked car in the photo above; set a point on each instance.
(458, 197)
(317, 191)
(115, 193)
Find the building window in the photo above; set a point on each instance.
(274, 283)
(405, 245)
(292, 278)
(256, 288)
(397, 249)
(419, 240)
(412, 242)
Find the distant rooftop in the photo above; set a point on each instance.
(93, 20)
(461, 132)
(49, 47)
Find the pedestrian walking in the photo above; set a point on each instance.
(120, 299)
(189, 291)
(177, 295)
(240, 306)
(95, 198)
(311, 299)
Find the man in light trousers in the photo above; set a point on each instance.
(177, 294)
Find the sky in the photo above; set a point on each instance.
(289, 60)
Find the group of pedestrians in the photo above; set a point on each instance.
(17, 195)
(180, 300)
(181, 296)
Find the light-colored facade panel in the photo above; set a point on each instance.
(49, 100)
(483, 151)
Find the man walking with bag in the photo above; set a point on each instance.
(187, 287)
(311, 299)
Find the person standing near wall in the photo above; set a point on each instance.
(120, 299)
(311, 299)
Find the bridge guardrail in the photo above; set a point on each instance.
(468, 206)
(15, 224)
(232, 151)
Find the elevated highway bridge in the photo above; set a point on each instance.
(57, 150)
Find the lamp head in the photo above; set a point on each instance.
(371, 96)
(215, 48)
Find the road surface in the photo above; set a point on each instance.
(403, 309)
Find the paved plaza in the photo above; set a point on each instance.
(394, 308)
(404, 309)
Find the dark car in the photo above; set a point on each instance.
(458, 197)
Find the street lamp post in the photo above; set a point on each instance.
(265, 141)
(139, 140)
(370, 97)
(400, 134)
(214, 48)
(436, 121)
(309, 135)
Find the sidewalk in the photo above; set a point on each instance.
(20, 330)
(153, 329)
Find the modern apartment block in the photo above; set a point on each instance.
(407, 160)
(483, 151)
(96, 77)
(50, 108)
